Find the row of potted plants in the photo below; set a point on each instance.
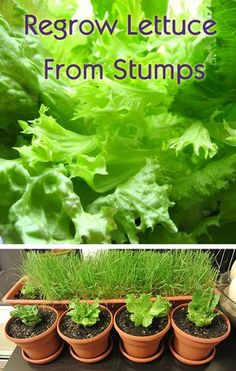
(141, 324)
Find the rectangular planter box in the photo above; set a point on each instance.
(61, 305)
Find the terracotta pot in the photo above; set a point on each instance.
(62, 305)
(192, 348)
(140, 347)
(42, 346)
(89, 349)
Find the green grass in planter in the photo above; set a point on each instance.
(114, 274)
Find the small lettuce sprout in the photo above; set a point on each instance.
(143, 310)
(201, 310)
(83, 313)
(28, 314)
(29, 292)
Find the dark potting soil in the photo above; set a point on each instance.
(125, 323)
(74, 331)
(217, 328)
(18, 330)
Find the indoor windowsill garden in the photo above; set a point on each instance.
(141, 324)
(141, 290)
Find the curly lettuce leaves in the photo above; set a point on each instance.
(207, 181)
(231, 137)
(41, 215)
(51, 143)
(199, 195)
(216, 95)
(12, 10)
(22, 86)
(14, 180)
(224, 13)
(103, 163)
(118, 109)
(196, 136)
(201, 100)
(19, 87)
(139, 204)
(50, 212)
(95, 228)
(87, 168)
(124, 162)
(103, 7)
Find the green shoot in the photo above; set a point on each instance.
(28, 314)
(201, 310)
(29, 292)
(143, 310)
(83, 313)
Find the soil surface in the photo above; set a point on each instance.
(125, 323)
(18, 330)
(217, 328)
(74, 331)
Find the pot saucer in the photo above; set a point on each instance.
(142, 360)
(189, 361)
(93, 360)
(43, 361)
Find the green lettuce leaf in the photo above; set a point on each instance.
(139, 204)
(155, 7)
(207, 181)
(224, 13)
(198, 137)
(228, 205)
(143, 311)
(50, 212)
(231, 139)
(52, 143)
(14, 180)
(101, 7)
(18, 99)
(41, 215)
(216, 94)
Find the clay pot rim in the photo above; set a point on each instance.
(139, 338)
(85, 341)
(196, 338)
(37, 337)
(8, 298)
